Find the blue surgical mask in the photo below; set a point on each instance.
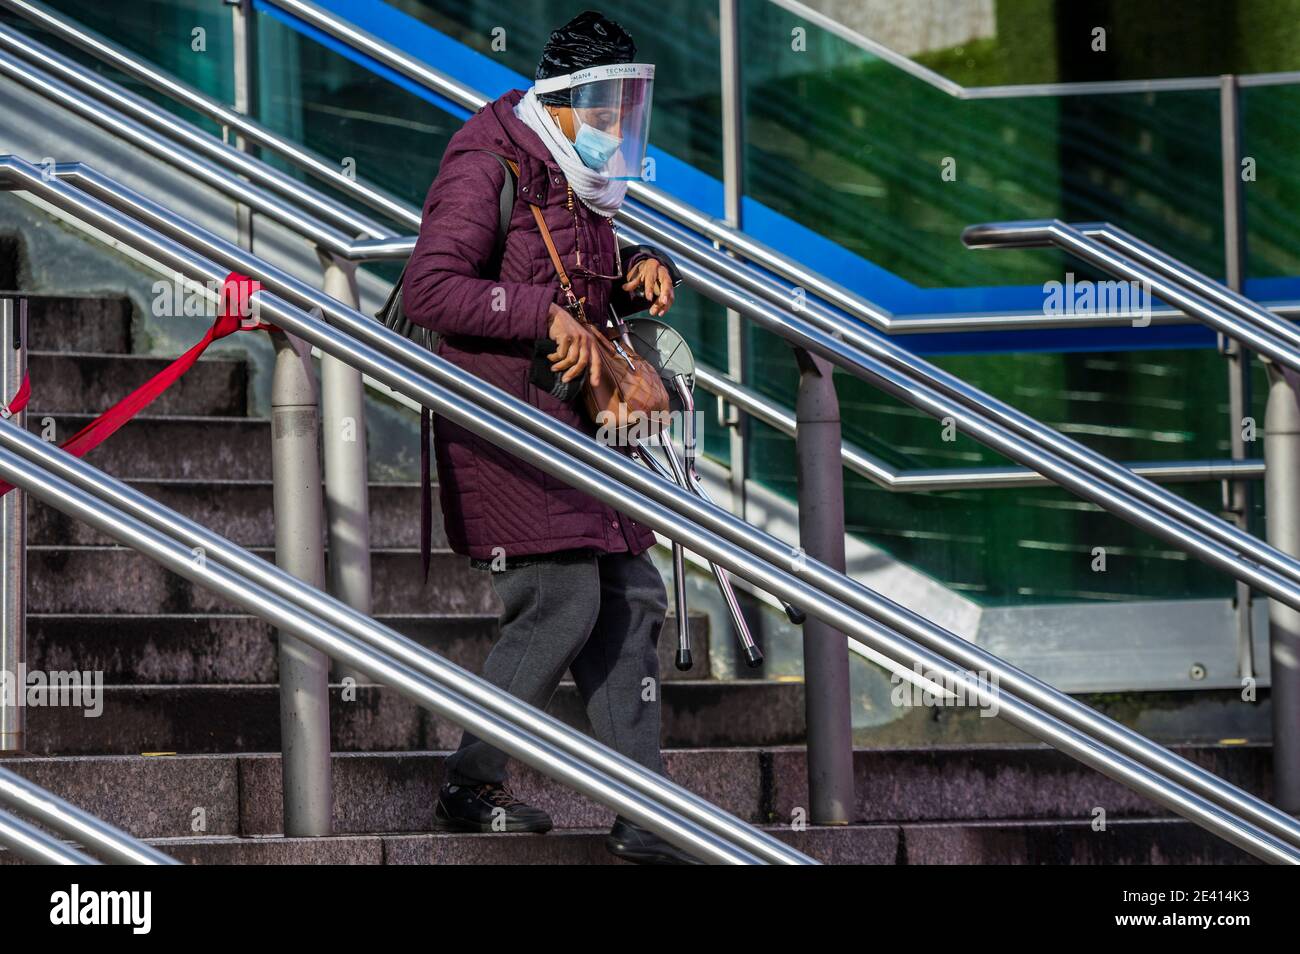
(595, 147)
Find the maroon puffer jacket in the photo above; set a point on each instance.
(487, 326)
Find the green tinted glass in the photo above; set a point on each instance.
(395, 139)
(1271, 179)
(1043, 41)
(894, 168)
(188, 39)
(868, 174)
(1028, 545)
(679, 36)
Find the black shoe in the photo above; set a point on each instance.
(486, 807)
(640, 846)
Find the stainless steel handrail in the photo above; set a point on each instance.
(629, 785)
(1121, 254)
(874, 357)
(712, 229)
(970, 421)
(124, 499)
(77, 98)
(145, 112)
(709, 228)
(520, 736)
(251, 130)
(994, 423)
(133, 115)
(20, 795)
(868, 355)
(714, 533)
(1003, 428)
(1111, 248)
(29, 842)
(918, 480)
(260, 190)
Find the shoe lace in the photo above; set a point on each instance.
(497, 795)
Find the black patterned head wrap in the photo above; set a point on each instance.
(589, 39)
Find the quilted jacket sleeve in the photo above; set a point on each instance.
(443, 288)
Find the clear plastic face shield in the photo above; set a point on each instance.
(611, 115)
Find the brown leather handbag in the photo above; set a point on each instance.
(631, 393)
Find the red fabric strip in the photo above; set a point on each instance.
(20, 398)
(236, 292)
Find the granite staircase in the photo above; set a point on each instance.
(186, 750)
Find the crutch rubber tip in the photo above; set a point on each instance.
(753, 657)
(684, 661)
(795, 615)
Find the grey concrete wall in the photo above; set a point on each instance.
(914, 26)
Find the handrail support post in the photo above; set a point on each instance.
(1236, 493)
(347, 479)
(1282, 464)
(242, 23)
(13, 539)
(733, 188)
(299, 549)
(825, 649)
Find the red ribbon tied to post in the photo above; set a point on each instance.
(235, 307)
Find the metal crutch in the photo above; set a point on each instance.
(686, 393)
(668, 352)
(665, 350)
(684, 659)
(685, 477)
(679, 476)
(696, 485)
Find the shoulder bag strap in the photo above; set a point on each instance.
(565, 285)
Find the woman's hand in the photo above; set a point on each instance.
(575, 350)
(656, 284)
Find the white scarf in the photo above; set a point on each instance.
(598, 192)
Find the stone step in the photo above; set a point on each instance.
(185, 649)
(242, 512)
(697, 713)
(213, 648)
(1029, 781)
(150, 446)
(91, 383)
(855, 845)
(99, 325)
(157, 797)
(1128, 842)
(1154, 841)
(115, 580)
(848, 845)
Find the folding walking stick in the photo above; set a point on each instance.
(668, 352)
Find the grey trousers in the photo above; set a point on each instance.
(599, 617)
